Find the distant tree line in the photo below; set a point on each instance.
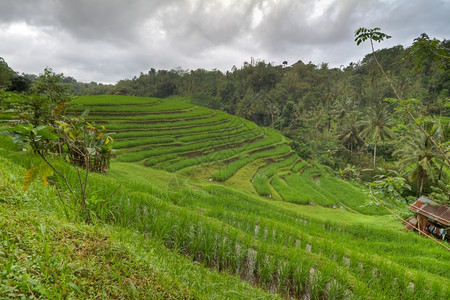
(336, 116)
(12, 81)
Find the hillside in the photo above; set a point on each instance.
(176, 136)
(226, 194)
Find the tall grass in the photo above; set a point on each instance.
(290, 253)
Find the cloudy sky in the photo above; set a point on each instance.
(109, 40)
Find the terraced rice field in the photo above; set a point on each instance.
(176, 136)
(311, 251)
(172, 134)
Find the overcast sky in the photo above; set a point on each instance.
(109, 40)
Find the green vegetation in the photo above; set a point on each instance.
(202, 204)
(334, 116)
(105, 100)
(291, 251)
(173, 135)
(45, 255)
(230, 168)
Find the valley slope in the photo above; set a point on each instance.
(235, 198)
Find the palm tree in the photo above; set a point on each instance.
(421, 156)
(349, 134)
(376, 128)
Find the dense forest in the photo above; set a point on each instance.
(337, 117)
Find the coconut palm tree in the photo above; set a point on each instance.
(421, 157)
(349, 133)
(376, 128)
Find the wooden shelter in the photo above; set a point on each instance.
(430, 217)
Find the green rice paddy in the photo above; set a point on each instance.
(174, 135)
(234, 198)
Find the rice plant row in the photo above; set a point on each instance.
(336, 234)
(160, 107)
(272, 168)
(217, 156)
(172, 141)
(262, 177)
(308, 189)
(299, 166)
(228, 249)
(316, 187)
(347, 194)
(195, 113)
(281, 255)
(227, 141)
(166, 161)
(241, 128)
(361, 238)
(156, 141)
(228, 170)
(222, 127)
(112, 100)
(170, 133)
(288, 193)
(369, 268)
(217, 119)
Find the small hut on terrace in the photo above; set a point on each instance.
(430, 217)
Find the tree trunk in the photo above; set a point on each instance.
(374, 155)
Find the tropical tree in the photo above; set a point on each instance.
(350, 134)
(420, 157)
(376, 128)
(48, 100)
(421, 46)
(83, 144)
(6, 74)
(51, 135)
(389, 186)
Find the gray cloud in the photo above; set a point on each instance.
(108, 40)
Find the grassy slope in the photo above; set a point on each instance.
(42, 254)
(326, 239)
(163, 134)
(300, 250)
(365, 237)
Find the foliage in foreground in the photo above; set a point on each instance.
(46, 131)
(49, 259)
(42, 255)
